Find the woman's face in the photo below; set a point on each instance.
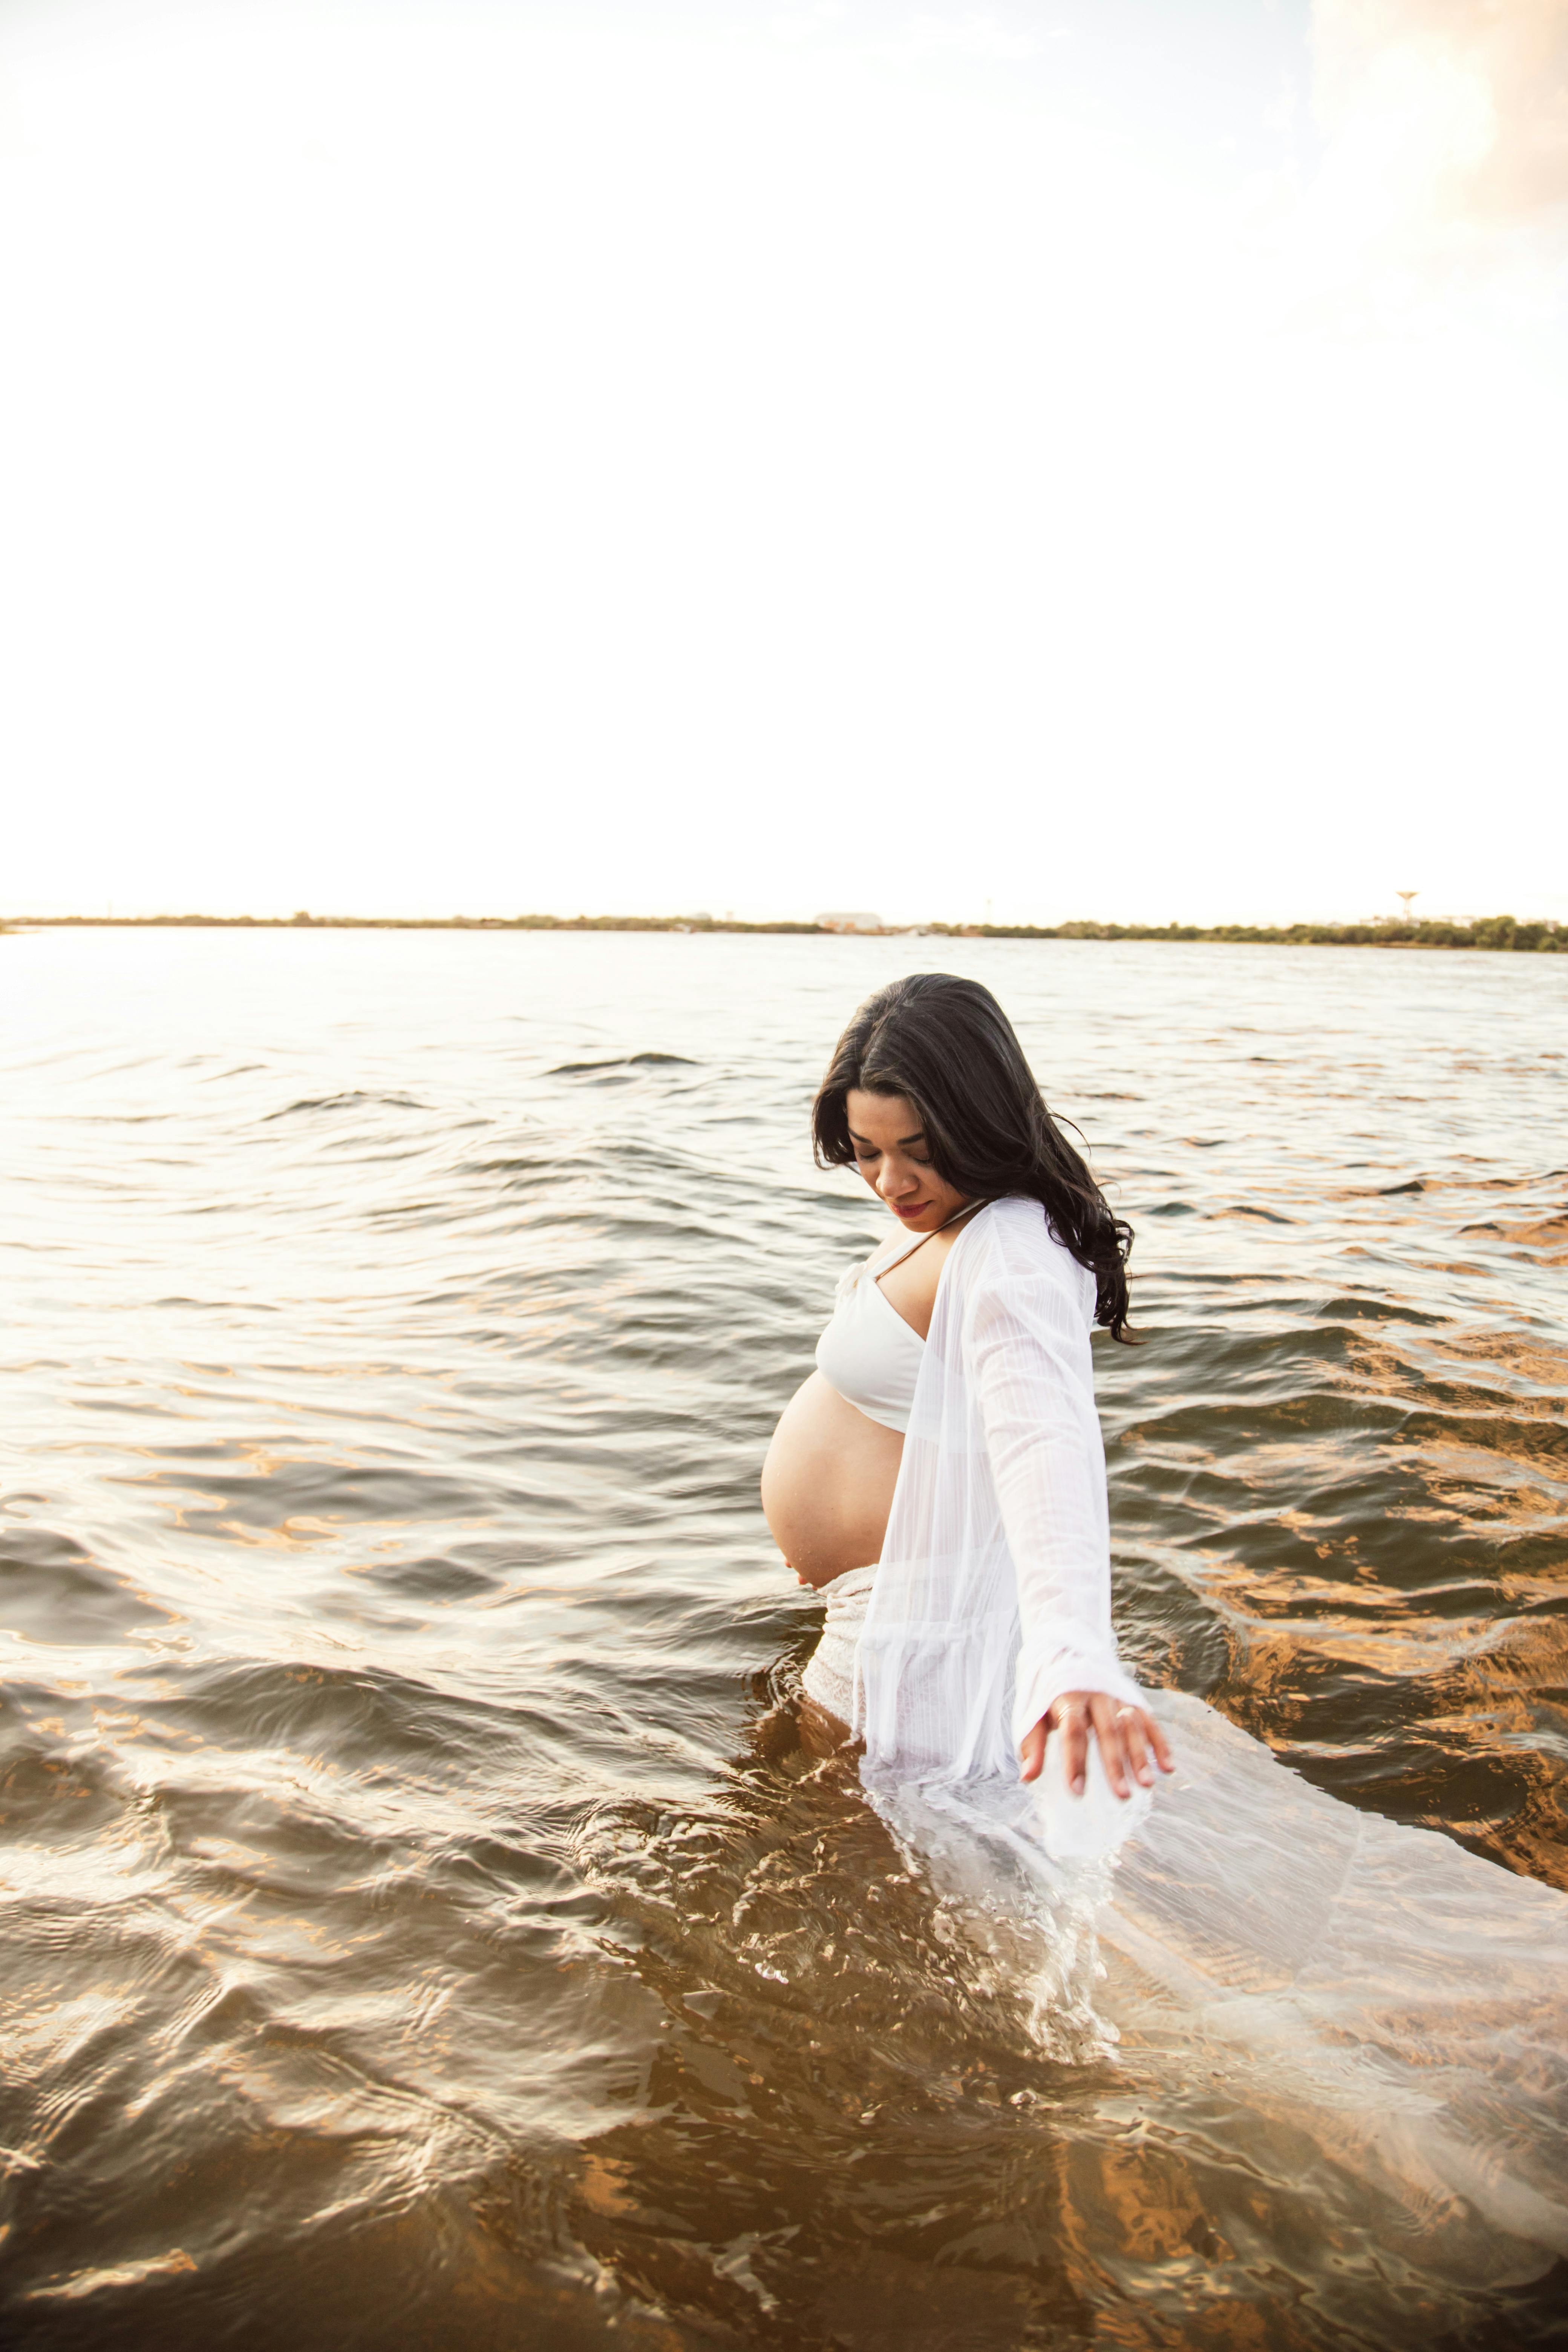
(890, 1153)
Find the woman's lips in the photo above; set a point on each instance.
(909, 1208)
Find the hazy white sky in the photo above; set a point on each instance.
(1096, 456)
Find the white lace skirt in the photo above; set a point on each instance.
(829, 1677)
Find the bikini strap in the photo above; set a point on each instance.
(970, 1209)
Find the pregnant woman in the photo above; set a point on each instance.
(939, 1478)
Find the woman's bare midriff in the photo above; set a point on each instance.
(827, 1483)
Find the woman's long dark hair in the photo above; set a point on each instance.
(948, 1047)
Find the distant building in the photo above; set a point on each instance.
(851, 923)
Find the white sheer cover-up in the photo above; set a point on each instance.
(1403, 2002)
(993, 1592)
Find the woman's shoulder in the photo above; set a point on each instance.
(1020, 1232)
(1018, 1244)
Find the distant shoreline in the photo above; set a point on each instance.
(1493, 932)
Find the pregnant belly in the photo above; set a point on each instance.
(827, 1483)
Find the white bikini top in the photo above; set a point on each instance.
(868, 1353)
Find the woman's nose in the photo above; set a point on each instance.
(893, 1181)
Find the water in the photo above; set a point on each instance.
(421, 1924)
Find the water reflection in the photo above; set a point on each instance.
(423, 1922)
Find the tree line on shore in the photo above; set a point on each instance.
(1490, 932)
(1486, 931)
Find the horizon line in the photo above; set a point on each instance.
(1504, 931)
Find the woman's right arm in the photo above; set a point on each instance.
(1028, 1352)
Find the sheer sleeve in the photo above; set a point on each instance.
(1028, 1357)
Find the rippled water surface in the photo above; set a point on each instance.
(421, 1924)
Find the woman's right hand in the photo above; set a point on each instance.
(1128, 1736)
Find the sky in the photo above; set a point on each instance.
(1048, 459)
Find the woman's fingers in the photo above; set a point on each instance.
(1131, 1742)
(1033, 1751)
(1141, 1743)
(1070, 1717)
(1135, 1728)
(1112, 1750)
